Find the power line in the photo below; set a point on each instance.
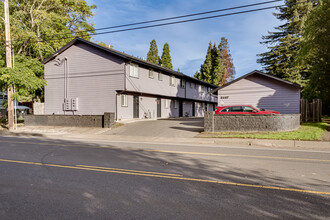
(158, 25)
(169, 18)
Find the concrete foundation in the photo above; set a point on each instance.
(102, 121)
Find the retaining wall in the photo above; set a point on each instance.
(102, 121)
(282, 122)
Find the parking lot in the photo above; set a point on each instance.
(172, 128)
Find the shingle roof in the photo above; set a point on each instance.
(256, 72)
(126, 57)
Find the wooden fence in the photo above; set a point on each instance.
(310, 111)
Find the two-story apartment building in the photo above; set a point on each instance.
(84, 78)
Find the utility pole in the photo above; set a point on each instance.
(10, 108)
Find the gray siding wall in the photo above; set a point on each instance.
(147, 107)
(93, 77)
(262, 92)
(145, 84)
(125, 112)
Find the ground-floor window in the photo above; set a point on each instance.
(175, 104)
(167, 103)
(124, 100)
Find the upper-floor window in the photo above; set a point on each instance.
(191, 85)
(182, 83)
(172, 80)
(208, 89)
(134, 70)
(202, 89)
(160, 76)
(151, 74)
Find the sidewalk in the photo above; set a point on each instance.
(102, 134)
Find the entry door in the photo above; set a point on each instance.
(135, 106)
(180, 108)
(193, 109)
(159, 108)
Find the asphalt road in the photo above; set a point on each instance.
(58, 179)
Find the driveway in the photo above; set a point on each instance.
(172, 128)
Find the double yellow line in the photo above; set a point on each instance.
(174, 152)
(162, 175)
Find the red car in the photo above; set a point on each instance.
(243, 109)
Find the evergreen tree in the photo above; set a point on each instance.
(206, 68)
(315, 50)
(227, 62)
(166, 60)
(218, 67)
(217, 71)
(152, 55)
(284, 43)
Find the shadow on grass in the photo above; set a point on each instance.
(321, 125)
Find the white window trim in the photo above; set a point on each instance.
(167, 103)
(160, 76)
(123, 99)
(175, 104)
(182, 83)
(172, 80)
(151, 74)
(133, 70)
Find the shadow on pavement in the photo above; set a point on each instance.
(142, 196)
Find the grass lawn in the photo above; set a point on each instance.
(307, 131)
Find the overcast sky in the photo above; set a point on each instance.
(188, 41)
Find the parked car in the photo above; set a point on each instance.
(243, 109)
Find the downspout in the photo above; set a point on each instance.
(125, 66)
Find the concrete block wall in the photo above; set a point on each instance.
(102, 121)
(282, 122)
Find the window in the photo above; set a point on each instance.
(134, 70)
(202, 89)
(167, 103)
(247, 109)
(175, 104)
(226, 109)
(208, 89)
(160, 76)
(191, 85)
(195, 85)
(151, 74)
(172, 80)
(236, 109)
(182, 83)
(123, 100)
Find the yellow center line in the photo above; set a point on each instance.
(174, 152)
(238, 155)
(133, 171)
(171, 177)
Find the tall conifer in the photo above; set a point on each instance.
(316, 51)
(152, 55)
(227, 62)
(285, 42)
(166, 60)
(206, 68)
